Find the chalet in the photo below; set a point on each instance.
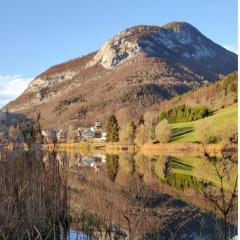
(98, 127)
(62, 136)
(80, 130)
(49, 136)
(87, 134)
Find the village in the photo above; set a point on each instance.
(71, 135)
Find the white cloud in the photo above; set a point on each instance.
(11, 86)
(231, 48)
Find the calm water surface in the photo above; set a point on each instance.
(150, 197)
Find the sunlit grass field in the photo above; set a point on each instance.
(186, 132)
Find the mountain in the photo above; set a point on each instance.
(137, 68)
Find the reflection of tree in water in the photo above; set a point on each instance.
(185, 181)
(127, 163)
(166, 167)
(143, 165)
(137, 206)
(180, 180)
(112, 166)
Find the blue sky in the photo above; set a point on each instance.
(36, 34)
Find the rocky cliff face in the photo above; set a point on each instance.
(138, 67)
(174, 40)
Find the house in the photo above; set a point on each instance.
(101, 137)
(87, 134)
(95, 132)
(97, 127)
(104, 136)
(49, 136)
(62, 135)
(80, 130)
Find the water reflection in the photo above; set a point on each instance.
(133, 196)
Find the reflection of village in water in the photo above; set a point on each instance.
(163, 191)
(76, 159)
(94, 161)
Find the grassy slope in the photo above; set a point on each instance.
(186, 131)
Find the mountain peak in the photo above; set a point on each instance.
(174, 40)
(178, 26)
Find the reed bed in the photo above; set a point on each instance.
(33, 197)
(186, 148)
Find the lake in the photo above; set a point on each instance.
(121, 195)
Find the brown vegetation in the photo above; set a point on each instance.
(215, 95)
(33, 200)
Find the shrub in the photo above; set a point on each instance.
(163, 131)
(127, 134)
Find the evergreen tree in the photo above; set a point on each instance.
(112, 129)
(185, 113)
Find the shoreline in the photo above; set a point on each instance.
(148, 148)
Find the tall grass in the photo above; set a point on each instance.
(33, 197)
(191, 148)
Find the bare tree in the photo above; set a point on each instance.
(127, 134)
(142, 135)
(222, 197)
(230, 133)
(205, 131)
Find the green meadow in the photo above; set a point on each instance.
(186, 132)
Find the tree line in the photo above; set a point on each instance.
(184, 113)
